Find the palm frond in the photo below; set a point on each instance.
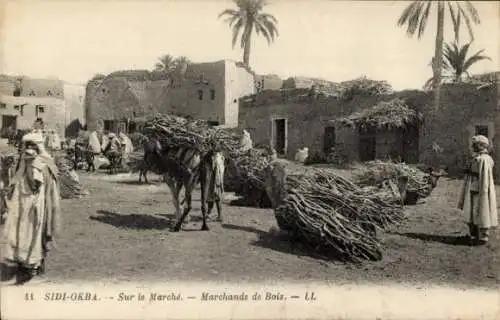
(462, 53)
(260, 28)
(467, 21)
(473, 12)
(407, 12)
(412, 17)
(270, 17)
(423, 20)
(158, 66)
(229, 12)
(455, 19)
(474, 59)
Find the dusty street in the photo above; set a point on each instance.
(121, 233)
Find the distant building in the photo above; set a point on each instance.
(291, 119)
(209, 91)
(23, 99)
(268, 82)
(19, 113)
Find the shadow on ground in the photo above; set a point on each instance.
(284, 243)
(133, 221)
(450, 240)
(136, 182)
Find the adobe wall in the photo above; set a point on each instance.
(462, 107)
(307, 118)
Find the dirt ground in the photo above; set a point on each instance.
(121, 233)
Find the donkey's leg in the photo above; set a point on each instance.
(188, 187)
(176, 190)
(210, 207)
(219, 211)
(204, 196)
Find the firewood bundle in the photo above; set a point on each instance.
(246, 176)
(194, 134)
(333, 216)
(364, 86)
(373, 173)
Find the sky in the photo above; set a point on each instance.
(335, 40)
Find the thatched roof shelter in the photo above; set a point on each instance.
(393, 114)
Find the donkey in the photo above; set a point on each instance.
(183, 168)
(150, 146)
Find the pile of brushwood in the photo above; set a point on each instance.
(373, 173)
(245, 176)
(195, 134)
(334, 217)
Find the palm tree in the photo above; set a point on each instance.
(456, 63)
(166, 63)
(415, 17)
(245, 18)
(180, 64)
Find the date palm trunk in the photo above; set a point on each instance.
(438, 55)
(248, 44)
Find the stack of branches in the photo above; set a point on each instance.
(246, 176)
(194, 134)
(374, 173)
(390, 114)
(331, 215)
(364, 87)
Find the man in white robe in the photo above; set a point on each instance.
(478, 196)
(33, 210)
(246, 141)
(127, 147)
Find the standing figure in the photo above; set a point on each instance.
(246, 141)
(113, 151)
(478, 196)
(33, 210)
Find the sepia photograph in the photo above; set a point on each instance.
(230, 145)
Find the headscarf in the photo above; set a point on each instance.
(481, 140)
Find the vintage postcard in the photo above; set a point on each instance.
(249, 159)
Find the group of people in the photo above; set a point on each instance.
(34, 213)
(116, 148)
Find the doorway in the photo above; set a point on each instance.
(329, 139)
(279, 136)
(367, 144)
(9, 121)
(9, 125)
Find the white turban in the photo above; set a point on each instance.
(38, 139)
(35, 137)
(481, 139)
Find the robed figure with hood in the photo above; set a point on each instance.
(33, 210)
(478, 195)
